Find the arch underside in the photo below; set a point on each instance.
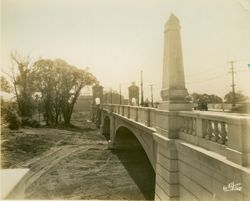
(131, 153)
(127, 137)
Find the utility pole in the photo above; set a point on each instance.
(120, 94)
(152, 96)
(233, 85)
(111, 96)
(142, 101)
(107, 97)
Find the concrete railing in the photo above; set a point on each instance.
(225, 134)
(210, 127)
(150, 117)
(228, 135)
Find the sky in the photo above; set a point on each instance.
(116, 39)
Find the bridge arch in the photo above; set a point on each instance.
(132, 154)
(126, 139)
(130, 138)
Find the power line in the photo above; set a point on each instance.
(215, 68)
(241, 69)
(205, 72)
(120, 90)
(152, 96)
(209, 79)
(246, 59)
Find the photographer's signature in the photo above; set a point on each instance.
(232, 187)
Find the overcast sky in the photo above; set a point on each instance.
(117, 39)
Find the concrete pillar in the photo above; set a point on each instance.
(97, 94)
(173, 91)
(112, 132)
(102, 123)
(167, 179)
(133, 92)
(173, 94)
(97, 91)
(112, 128)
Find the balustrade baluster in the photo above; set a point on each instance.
(148, 117)
(185, 125)
(214, 129)
(136, 114)
(123, 110)
(204, 128)
(209, 130)
(194, 126)
(215, 132)
(190, 125)
(223, 134)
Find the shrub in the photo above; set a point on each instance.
(12, 118)
(27, 121)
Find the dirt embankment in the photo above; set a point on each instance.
(75, 164)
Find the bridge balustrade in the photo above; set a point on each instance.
(210, 127)
(119, 109)
(182, 144)
(143, 116)
(220, 133)
(126, 111)
(133, 113)
(115, 109)
(107, 107)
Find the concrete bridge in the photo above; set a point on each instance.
(196, 156)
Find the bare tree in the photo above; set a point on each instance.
(22, 79)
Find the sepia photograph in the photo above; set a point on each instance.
(125, 100)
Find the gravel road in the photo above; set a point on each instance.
(75, 164)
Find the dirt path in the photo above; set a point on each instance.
(76, 164)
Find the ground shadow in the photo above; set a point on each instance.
(140, 170)
(107, 136)
(133, 157)
(75, 128)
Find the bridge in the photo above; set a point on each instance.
(196, 155)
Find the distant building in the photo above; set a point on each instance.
(125, 102)
(83, 104)
(112, 97)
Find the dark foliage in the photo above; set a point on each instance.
(26, 121)
(12, 118)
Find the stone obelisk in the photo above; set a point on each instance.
(173, 91)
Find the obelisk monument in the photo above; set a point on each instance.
(173, 91)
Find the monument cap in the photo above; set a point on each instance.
(172, 23)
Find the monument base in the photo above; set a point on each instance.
(174, 94)
(175, 106)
